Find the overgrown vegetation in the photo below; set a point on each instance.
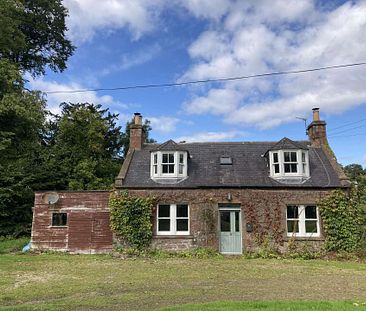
(342, 218)
(8, 245)
(131, 219)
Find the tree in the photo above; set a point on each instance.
(33, 35)
(22, 116)
(356, 173)
(126, 136)
(87, 146)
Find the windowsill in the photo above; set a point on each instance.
(304, 238)
(57, 227)
(188, 237)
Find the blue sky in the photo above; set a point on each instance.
(129, 42)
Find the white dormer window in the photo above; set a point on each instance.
(289, 163)
(168, 164)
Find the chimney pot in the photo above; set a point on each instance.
(316, 116)
(137, 118)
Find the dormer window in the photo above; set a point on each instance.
(289, 163)
(168, 164)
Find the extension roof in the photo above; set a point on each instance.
(249, 168)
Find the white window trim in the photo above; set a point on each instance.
(301, 222)
(173, 220)
(281, 162)
(160, 174)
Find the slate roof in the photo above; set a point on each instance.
(249, 168)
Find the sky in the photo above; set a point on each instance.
(135, 42)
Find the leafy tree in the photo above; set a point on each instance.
(22, 116)
(86, 144)
(33, 34)
(355, 171)
(126, 135)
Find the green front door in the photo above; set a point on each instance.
(230, 232)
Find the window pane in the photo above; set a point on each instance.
(277, 168)
(293, 156)
(275, 157)
(237, 222)
(181, 158)
(182, 224)
(171, 158)
(293, 168)
(310, 226)
(155, 158)
(59, 219)
(165, 169)
(170, 168)
(287, 168)
(310, 212)
(225, 221)
(304, 168)
(181, 169)
(292, 226)
(182, 210)
(164, 225)
(165, 158)
(303, 157)
(164, 211)
(287, 156)
(292, 212)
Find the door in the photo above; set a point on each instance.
(230, 232)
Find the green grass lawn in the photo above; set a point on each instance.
(102, 282)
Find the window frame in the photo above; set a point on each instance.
(301, 221)
(59, 213)
(173, 220)
(156, 167)
(302, 166)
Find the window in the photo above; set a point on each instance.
(287, 163)
(302, 221)
(173, 219)
(168, 164)
(59, 219)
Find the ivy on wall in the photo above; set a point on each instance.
(131, 219)
(342, 217)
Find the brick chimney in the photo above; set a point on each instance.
(137, 134)
(317, 130)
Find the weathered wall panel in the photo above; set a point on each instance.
(87, 229)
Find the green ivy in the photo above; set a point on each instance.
(342, 218)
(131, 219)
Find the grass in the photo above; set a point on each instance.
(12, 246)
(103, 282)
(272, 306)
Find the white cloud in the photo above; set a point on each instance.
(55, 99)
(207, 8)
(211, 136)
(87, 17)
(128, 61)
(163, 124)
(254, 38)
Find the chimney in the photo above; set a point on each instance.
(317, 130)
(136, 132)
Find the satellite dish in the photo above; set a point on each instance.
(51, 198)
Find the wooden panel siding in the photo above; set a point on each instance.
(87, 229)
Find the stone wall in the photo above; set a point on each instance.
(264, 209)
(88, 229)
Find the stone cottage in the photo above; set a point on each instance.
(231, 196)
